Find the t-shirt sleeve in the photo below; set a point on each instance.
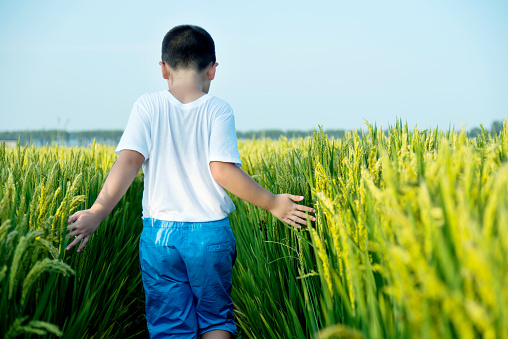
(137, 136)
(223, 143)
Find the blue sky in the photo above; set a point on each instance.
(80, 65)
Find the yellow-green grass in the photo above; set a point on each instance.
(45, 290)
(410, 240)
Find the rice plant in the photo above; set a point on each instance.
(44, 289)
(410, 240)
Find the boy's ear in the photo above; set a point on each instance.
(210, 73)
(165, 70)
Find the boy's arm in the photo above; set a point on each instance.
(239, 183)
(84, 223)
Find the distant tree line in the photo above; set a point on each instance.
(495, 128)
(111, 137)
(51, 137)
(277, 133)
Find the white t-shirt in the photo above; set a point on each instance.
(178, 142)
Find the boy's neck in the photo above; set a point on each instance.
(187, 85)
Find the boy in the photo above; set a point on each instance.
(185, 140)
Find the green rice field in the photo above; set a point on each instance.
(411, 240)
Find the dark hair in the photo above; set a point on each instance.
(188, 46)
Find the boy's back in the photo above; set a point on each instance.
(178, 141)
(188, 150)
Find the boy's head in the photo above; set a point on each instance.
(188, 46)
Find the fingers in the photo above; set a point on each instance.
(83, 244)
(298, 214)
(292, 213)
(304, 216)
(295, 221)
(300, 220)
(75, 233)
(75, 242)
(301, 207)
(295, 197)
(292, 223)
(74, 217)
(73, 227)
(81, 227)
(305, 208)
(72, 234)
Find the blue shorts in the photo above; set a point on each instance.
(186, 269)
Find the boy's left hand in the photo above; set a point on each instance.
(287, 211)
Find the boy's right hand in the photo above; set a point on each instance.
(82, 225)
(287, 211)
